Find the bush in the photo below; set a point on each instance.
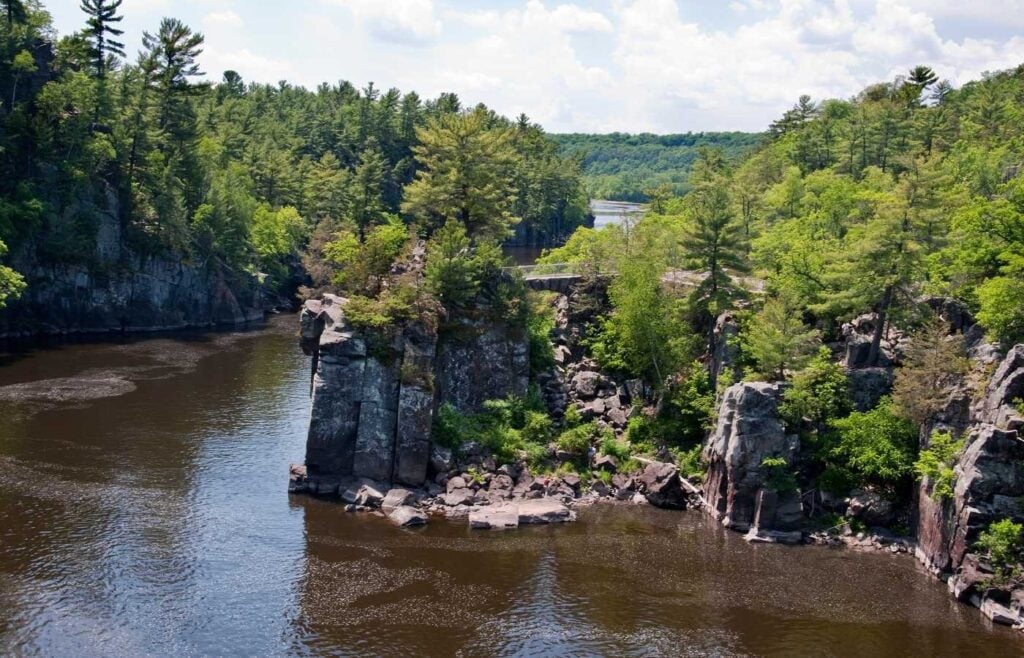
(451, 428)
(614, 448)
(690, 462)
(539, 325)
(576, 441)
(1002, 543)
(874, 447)
(1000, 309)
(820, 393)
(936, 463)
(780, 478)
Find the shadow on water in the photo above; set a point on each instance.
(155, 521)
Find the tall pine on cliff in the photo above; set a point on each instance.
(216, 174)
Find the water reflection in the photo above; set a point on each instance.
(154, 521)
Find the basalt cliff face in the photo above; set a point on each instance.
(989, 485)
(375, 394)
(121, 291)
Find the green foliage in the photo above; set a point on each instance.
(505, 427)
(1000, 308)
(629, 167)
(780, 477)
(777, 340)
(362, 266)
(1003, 544)
(819, 393)
(936, 463)
(616, 448)
(690, 462)
(539, 325)
(456, 268)
(12, 284)
(684, 417)
(465, 176)
(875, 447)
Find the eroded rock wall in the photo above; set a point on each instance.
(375, 396)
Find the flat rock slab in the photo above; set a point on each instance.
(407, 516)
(498, 517)
(512, 515)
(544, 510)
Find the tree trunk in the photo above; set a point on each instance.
(876, 338)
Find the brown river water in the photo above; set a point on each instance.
(143, 511)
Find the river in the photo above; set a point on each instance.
(143, 511)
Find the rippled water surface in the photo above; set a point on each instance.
(143, 512)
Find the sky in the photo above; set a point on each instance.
(663, 66)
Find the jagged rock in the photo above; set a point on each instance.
(723, 360)
(440, 459)
(869, 385)
(501, 482)
(586, 383)
(406, 516)
(661, 486)
(871, 508)
(571, 480)
(636, 389)
(617, 417)
(953, 311)
(1006, 386)
(749, 431)
(455, 483)
(600, 488)
(397, 498)
(606, 463)
(297, 480)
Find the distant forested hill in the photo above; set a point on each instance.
(622, 166)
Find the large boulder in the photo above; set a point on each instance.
(661, 485)
(748, 432)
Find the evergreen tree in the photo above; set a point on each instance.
(102, 15)
(465, 175)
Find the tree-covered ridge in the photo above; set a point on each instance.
(237, 176)
(868, 210)
(627, 167)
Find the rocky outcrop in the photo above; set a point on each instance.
(121, 291)
(375, 394)
(748, 432)
(988, 485)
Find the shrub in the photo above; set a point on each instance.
(690, 462)
(936, 463)
(1000, 308)
(540, 323)
(614, 448)
(934, 361)
(1001, 541)
(451, 428)
(573, 418)
(873, 447)
(780, 478)
(576, 441)
(820, 393)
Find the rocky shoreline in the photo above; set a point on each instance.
(374, 405)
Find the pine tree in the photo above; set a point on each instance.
(15, 12)
(365, 205)
(465, 175)
(102, 14)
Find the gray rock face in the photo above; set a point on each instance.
(130, 292)
(374, 396)
(871, 508)
(988, 476)
(723, 360)
(749, 431)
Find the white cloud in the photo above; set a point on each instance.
(223, 19)
(399, 21)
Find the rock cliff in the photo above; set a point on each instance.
(119, 290)
(740, 489)
(375, 393)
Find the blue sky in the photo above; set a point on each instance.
(596, 66)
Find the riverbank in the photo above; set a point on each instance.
(152, 518)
